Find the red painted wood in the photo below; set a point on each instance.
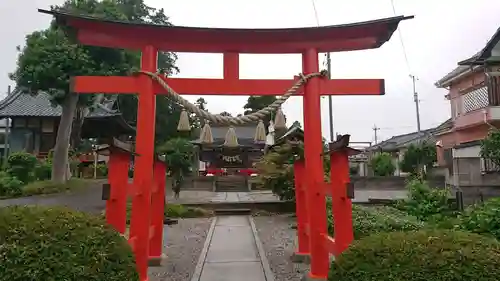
(242, 87)
(143, 172)
(330, 244)
(301, 208)
(313, 149)
(231, 63)
(116, 206)
(157, 210)
(362, 35)
(341, 204)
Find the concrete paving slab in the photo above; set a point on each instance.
(232, 221)
(231, 271)
(232, 243)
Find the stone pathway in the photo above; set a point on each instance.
(232, 251)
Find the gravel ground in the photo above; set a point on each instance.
(183, 246)
(278, 240)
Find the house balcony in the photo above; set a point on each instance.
(480, 106)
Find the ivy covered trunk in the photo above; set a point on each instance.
(61, 149)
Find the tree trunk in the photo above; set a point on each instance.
(60, 158)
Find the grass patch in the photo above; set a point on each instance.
(49, 187)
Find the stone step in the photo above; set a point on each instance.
(233, 212)
(239, 188)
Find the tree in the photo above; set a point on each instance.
(225, 113)
(49, 58)
(256, 103)
(490, 147)
(382, 165)
(179, 156)
(417, 157)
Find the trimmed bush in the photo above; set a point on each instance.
(40, 243)
(22, 166)
(9, 185)
(426, 255)
(43, 170)
(483, 218)
(49, 187)
(375, 219)
(175, 211)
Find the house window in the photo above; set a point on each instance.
(2, 138)
(47, 125)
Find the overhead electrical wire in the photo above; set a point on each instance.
(401, 40)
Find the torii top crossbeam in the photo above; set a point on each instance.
(345, 37)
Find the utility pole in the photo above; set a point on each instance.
(375, 129)
(330, 100)
(415, 99)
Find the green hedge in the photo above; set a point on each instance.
(426, 255)
(56, 244)
(375, 219)
(176, 211)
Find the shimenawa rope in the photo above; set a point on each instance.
(218, 119)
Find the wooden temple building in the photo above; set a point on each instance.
(35, 120)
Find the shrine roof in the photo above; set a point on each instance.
(334, 38)
(22, 104)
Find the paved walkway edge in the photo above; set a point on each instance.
(201, 261)
(268, 273)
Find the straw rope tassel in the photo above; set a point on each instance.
(206, 134)
(260, 132)
(279, 120)
(231, 138)
(183, 125)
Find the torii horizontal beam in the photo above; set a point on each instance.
(230, 85)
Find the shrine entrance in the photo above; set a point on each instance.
(311, 85)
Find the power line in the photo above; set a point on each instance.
(329, 70)
(401, 39)
(315, 12)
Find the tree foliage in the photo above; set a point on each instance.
(490, 147)
(417, 156)
(275, 169)
(49, 58)
(382, 164)
(256, 103)
(179, 155)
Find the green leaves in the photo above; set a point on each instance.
(382, 164)
(418, 156)
(434, 255)
(179, 155)
(40, 243)
(490, 147)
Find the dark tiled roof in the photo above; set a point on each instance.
(476, 60)
(455, 72)
(19, 103)
(405, 140)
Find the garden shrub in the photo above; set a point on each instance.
(10, 185)
(425, 255)
(49, 187)
(47, 244)
(176, 211)
(43, 170)
(483, 218)
(22, 166)
(375, 219)
(426, 203)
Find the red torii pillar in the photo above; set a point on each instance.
(150, 38)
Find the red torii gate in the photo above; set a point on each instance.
(149, 39)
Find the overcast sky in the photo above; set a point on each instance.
(442, 33)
